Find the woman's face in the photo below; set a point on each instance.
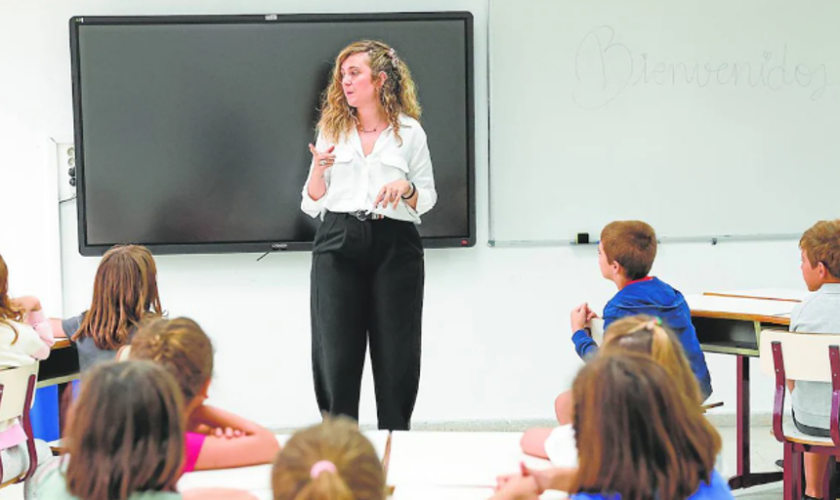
(357, 80)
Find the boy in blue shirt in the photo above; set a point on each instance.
(625, 255)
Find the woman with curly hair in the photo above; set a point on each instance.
(370, 181)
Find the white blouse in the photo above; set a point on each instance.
(355, 180)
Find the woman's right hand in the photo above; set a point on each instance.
(322, 160)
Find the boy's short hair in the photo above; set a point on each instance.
(821, 243)
(632, 243)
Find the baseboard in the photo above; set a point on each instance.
(718, 419)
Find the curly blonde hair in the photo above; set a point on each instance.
(397, 95)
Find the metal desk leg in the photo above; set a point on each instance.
(745, 478)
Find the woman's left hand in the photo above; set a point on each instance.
(392, 193)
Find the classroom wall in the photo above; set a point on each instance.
(496, 336)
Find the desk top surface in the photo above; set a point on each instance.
(748, 305)
(441, 465)
(455, 459)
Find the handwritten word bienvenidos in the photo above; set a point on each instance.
(606, 68)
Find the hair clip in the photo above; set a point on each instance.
(322, 466)
(393, 55)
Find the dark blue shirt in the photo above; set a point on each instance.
(655, 298)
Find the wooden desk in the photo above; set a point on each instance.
(61, 369)
(731, 323)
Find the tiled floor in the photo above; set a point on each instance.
(765, 451)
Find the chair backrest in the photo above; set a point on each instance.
(123, 353)
(15, 382)
(596, 329)
(805, 355)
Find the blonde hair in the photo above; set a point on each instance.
(821, 243)
(397, 95)
(358, 473)
(647, 335)
(182, 347)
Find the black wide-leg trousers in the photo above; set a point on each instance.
(367, 287)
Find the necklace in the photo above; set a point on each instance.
(362, 129)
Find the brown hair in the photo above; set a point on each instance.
(398, 95)
(358, 475)
(124, 293)
(8, 312)
(182, 347)
(647, 335)
(821, 243)
(125, 433)
(633, 244)
(644, 438)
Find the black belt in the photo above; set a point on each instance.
(364, 215)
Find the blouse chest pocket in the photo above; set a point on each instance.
(342, 175)
(394, 167)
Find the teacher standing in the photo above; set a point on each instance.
(370, 181)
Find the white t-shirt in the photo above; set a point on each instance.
(13, 353)
(561, 447)
(25, 350)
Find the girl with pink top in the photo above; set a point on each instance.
(215, 439)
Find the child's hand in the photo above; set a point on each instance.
(518, 488)
(538, 481)
(504, 479)
(26, 304)
(227, 433)
(580, 316)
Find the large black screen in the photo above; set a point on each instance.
(192, 132)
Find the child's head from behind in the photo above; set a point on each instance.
(124, 292)
(329, 461)
(125, 432)
(182, 347)
(820, 246)
(645, 439)
(647, 335)
(627, 248)
(7, 311)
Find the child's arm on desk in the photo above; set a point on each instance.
(58, 330)
(533, 482)
(257, 445)
(217, 493)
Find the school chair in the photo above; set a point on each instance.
(17, 387)
(802, 356)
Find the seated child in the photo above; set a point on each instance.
(215, 439)
(819, 313)
(124, 293)
(25, 338)
(670, 452)
(643, 334)
(625, 255)
(331, 460)
(124, 440)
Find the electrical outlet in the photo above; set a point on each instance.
(65, 155)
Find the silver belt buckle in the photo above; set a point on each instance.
(362, 215)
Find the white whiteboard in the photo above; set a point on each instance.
(702, 117)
